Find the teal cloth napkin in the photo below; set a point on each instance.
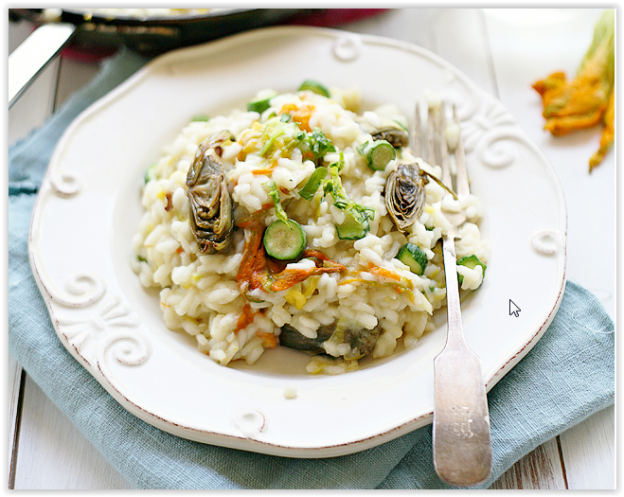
(568, 375)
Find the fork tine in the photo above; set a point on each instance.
(447, 178)
(432, 156)
(437, 149)
(463, 184)
(417, 134)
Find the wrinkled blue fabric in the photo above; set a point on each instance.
(568, 375)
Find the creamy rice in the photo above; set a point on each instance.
(199, 293)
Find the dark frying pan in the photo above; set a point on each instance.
(146, 35)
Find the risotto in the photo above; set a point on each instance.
(299, 222)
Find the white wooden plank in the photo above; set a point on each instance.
(589, 452)
(460, 39)
(539, 470)
(53, 454)
(454, 34)
(14, 382)
(411, 25)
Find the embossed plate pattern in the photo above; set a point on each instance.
(89, 208)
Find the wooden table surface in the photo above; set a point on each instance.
(503, 51)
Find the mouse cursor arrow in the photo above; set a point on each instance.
(513, 308)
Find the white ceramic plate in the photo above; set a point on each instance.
(89, 208)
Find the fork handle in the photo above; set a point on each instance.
(462, 447)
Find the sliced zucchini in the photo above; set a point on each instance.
(352, 229)
(314, 86)
(413, 256)
(470, 261)
(260, 105)
(201, 118)
(284, 240)
(377, 154)
(380, 153)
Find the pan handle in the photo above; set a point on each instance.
(34, 54)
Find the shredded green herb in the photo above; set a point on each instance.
(275, 195)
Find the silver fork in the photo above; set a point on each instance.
(462, 447)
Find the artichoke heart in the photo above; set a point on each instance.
(209, 198)
(405, 195)
(388, 130)
(343, 331)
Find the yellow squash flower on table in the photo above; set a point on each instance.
(589, 99)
